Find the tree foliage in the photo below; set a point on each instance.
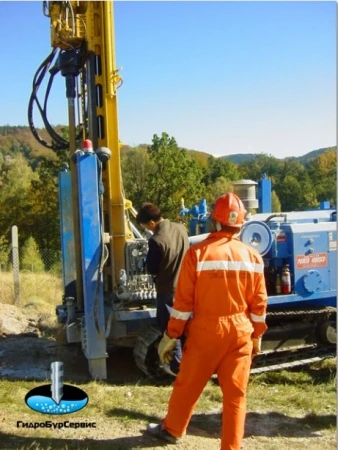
(162, 173)
(31, 259)
(276, 207)
(323, 175)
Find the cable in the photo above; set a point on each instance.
(58, 142)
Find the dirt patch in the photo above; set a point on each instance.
(29, 344)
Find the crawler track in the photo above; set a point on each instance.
(295, 338)
(295, 357)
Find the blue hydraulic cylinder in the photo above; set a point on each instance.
(90, 217)
(264, 195)
(67, 234)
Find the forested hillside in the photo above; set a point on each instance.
(161, 172)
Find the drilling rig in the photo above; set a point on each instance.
(108, 296)
(107, 291)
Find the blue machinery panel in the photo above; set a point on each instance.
(93, 328)
(264, 195)
(67, 234)
(310, 250)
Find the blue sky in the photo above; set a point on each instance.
(221, 77)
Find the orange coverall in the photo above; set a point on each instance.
(220, 303)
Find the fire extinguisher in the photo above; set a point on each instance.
(286, 280)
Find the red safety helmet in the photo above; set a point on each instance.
(229, 210)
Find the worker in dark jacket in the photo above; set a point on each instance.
(167, 246)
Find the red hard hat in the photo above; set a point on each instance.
(229, 210)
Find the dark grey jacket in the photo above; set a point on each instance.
(167, 246)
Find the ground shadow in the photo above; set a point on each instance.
(9, 442)
(257, 424)
(202, 425)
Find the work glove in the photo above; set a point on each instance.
(166, 349)
(256, 348)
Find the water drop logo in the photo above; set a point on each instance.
(56, 398)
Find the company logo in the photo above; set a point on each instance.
(309, 261)
(56, 398)
(233, 217)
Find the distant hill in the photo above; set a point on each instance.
(20, 138)
(305, 159)
(240, 158)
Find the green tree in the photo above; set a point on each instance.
(220, 168)
(262, 163)
(219, 187)
(174, 175)
(136, 170)
(5, 251)
(15, 198)
(45, 205)
(295, 195)
(323, 175)
(31, 258)
(275, 203)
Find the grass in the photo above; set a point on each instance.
(289, 409)
(38, 290)
(310, 391)
(288, 400)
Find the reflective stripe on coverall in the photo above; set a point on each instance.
(221, 285)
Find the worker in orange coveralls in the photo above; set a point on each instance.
(220, 304)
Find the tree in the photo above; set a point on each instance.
(219, 187)
(275, 203)
(5, 251)
(31, 258)
(136, 170)
(174, 175)
(262, 163)
(220, 167)
(295, 195)
(15, 199)
(45, 206)
(323, 175)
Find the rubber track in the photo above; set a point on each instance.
(288, 359)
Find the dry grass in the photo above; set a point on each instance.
(289, 409)
(39, 293)
(42, 290)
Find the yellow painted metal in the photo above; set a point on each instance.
(73, 25)
(68, 27)
(100, 39)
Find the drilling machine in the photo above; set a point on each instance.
(299, 250)
(108, 294)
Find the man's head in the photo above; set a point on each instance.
(149, 216)
(228, 213)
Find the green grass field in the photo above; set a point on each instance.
(293, 410)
